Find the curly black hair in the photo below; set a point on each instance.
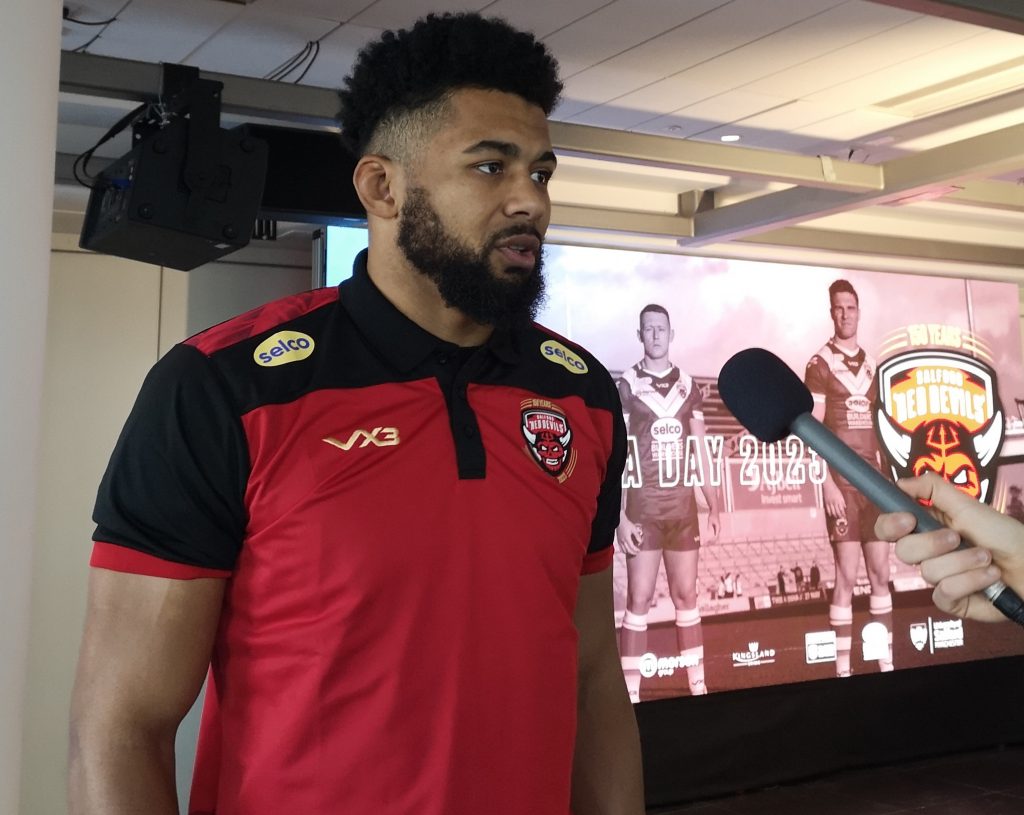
(416, 70)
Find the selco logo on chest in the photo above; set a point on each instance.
(667, 430)
(556, 352)
(858, 404)
(282, 348)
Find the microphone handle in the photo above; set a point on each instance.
(888, 497)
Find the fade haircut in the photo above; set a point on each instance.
(656, 309)
(844, 286)
(401, 85)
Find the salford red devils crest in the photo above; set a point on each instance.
(548, 438)
(939, 412)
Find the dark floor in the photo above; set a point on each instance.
(987, 782)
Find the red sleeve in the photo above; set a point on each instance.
(122, 559)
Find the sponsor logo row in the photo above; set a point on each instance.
(934, 635)
(822, 646)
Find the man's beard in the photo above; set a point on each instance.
(464, 278)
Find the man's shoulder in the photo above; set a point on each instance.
(277, 314)
(822, 357)
(540, 342)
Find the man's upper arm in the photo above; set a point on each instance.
(595, 620)
(145, 650)
(814, 379)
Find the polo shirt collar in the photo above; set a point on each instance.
(401, 341)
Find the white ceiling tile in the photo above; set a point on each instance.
(568, 108)
(731, 106)
(712, 47)
(541, 16)
(665, 96)
(793, 38)
(149, 31)
(793, 115)
(403, 13)
(337, 54)
(611, 115)
(620, 26)
(966, 130)
(337, 10)
(940, 65)
(920, 36)
(256, 42)
(851, 126)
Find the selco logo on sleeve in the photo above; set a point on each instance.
(282, 348)
(556, 352)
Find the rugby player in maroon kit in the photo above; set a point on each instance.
(390, 541)
(662, 406)
(842, 379)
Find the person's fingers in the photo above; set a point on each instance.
(923, 545)
(930, 487)
(892, 526)
(960, 595)
(937, 568)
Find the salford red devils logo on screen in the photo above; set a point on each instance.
(939, 411)
(548, 437)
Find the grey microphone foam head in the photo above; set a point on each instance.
(763, 393)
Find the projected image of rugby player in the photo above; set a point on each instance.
(662, 406)
(841, 377)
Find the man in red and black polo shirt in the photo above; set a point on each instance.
(380, 515)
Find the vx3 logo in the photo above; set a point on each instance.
(378, 437)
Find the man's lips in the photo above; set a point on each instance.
(519, 250)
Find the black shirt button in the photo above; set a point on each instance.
(442, 359)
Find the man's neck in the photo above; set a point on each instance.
(416, 296)
(656, 366)
(849, 346)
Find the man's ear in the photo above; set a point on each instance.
(374, 179)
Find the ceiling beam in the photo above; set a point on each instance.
(748, 162)
(671, 226)
(985, 155)
(890, 246)
(91, 75)
(1004, 195)
(622, 220)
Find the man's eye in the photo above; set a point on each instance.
(490, 167)
(542, 177)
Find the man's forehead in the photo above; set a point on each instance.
(482, 116)
(651, 318)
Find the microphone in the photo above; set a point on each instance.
(771, 401)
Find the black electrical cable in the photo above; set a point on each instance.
(84, 22)
(102, 23)
(82, 48)
(80, 168)
(309, 64)
(289, 65)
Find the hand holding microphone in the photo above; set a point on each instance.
(960, 574)
(769, 399)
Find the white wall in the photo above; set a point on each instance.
(29, 66)
(109, 320)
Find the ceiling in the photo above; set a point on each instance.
(891, 129)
